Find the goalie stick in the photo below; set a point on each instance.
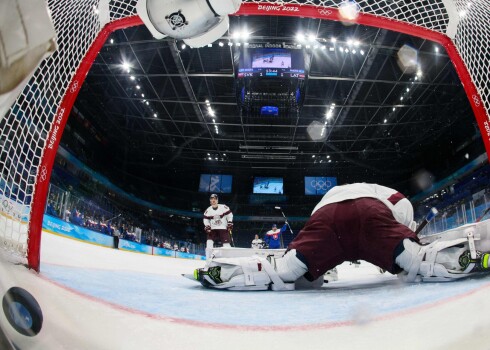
(231, 238)
(483, 215)
(428, 218)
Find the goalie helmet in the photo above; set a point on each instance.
(196, 22)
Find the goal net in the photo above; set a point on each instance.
(31, 130)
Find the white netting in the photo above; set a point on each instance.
(473, 43)
(25, 130)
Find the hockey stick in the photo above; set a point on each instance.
(429, 217)
(115, 217)
(483, 215)
(287, 223)
(231, 238)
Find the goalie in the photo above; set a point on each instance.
(353, 222)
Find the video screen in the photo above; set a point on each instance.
(268, 185)
(271, 59)
(215, 183)
(271, 62)
(319, 185)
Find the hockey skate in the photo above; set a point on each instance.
(331, 275)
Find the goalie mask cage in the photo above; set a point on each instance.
(31, 131)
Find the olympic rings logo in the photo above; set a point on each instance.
(476, 100)
(74, 87)
(320, 185)
(43, 174)
(324, 12)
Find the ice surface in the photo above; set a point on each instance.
(100, 298)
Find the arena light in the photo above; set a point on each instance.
(333, 40)
(126, 66)
(300, 37)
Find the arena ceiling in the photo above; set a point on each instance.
(158, 107)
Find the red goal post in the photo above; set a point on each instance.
(39, 115)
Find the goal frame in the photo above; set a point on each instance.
(247, 9)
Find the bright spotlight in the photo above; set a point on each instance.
(126, 66)
(349, 10)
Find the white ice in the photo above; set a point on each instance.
(99, 298)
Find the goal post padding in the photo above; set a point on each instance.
(428, 22)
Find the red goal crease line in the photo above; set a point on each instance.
(256, 9)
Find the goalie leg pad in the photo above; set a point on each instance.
(249, 273)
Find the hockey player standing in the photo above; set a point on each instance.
(351, 222)
(273, 237)
(257, 243)
(218, 222)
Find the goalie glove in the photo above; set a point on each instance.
(207, 229)
(230, 226)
